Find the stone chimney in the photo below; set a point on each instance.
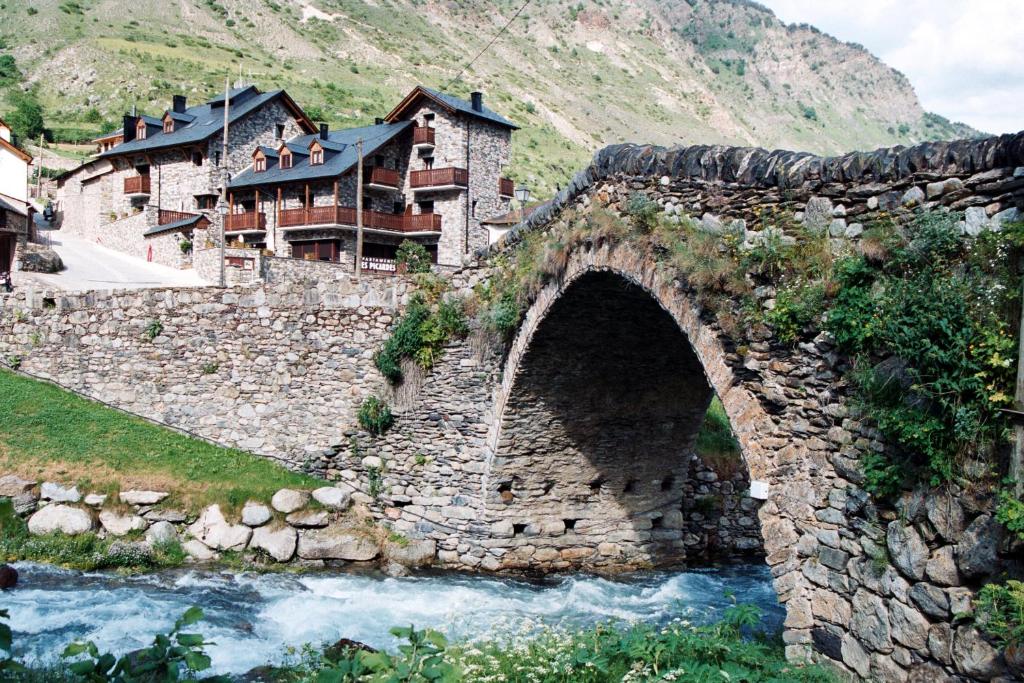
(129, 127)
(477, 99)
(324, 131)
(178, 104)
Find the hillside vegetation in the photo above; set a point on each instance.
(575, 75)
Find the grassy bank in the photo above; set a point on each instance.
(49, 433)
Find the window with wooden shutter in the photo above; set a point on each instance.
(140, 130)
(286, 159)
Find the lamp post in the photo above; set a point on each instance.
(222, 211)
(522, 196)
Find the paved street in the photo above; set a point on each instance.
(92, 266)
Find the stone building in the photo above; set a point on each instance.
(431, 172)
(147, 195)
(15, 211)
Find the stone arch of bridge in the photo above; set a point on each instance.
(590, 457)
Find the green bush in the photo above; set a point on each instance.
(413, 256)
(999, 612)
(421, 334)
(375, 415)
(1010, 513)
(938, 308)
(643, 210)
(796, 308)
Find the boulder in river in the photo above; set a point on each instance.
(277, 541)
(337, 543)
(417, 552)
(289, 500)
(161, 532)
(256, 514)
(214, 531)
(117, 524)
(8, 577)
(136, 497)
(63, 518)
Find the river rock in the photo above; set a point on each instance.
(337, 543)
(973, 656)
(870, 621)
(135, 497)
(8, 577)
(908, 626)
(63, 518)
(256, 514)
(976, 551)
(932, 600)
(308, 519)
(59, 494)
(277, 541)
(214, 531)
(945, 514)
(12, 485)
(333, 498)
(25, 503)
(161, 532)
(197, 551)
(289, 500)
(117, 524)
(417, 552)
(166, 515)
(941, 567)
(95, 500)
(907, 550)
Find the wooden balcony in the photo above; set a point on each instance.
(506, 188)
(377, 178)
(167, 217)
(423, 136)
(438, 179)
(250, 221)
(137, 186)
(346, 216)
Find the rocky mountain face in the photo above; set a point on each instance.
(575, 75)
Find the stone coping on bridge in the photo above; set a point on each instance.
(866, 173)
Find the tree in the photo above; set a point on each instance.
(9, 73)
(26, 119)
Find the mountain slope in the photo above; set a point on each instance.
(575, 75)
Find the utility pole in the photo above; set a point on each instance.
(224, 181)
(359, 208)
(1017, 455)
(39, 170)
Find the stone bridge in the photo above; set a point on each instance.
(572, 446)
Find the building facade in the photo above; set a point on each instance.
(15, 211)
(432, 171)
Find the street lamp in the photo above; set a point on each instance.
(522, 196)
(222, 210)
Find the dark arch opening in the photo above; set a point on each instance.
(600, 428)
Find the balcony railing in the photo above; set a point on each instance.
(436, 178)
(385, 177)
(248, 221)
(506, 188)
(138, 184)
(166, 217)
(423, 135)
(344, 215)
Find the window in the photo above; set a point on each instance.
(197, 158)
(316, 157)
(324, 250)
(169, 125)
(397, 208)
(428, 163)
(426, 207)
(259, 164)
(216, 158)
(378, 161)
(428, 120)
(474, 208)
(206, 202)
(279, 131)
(140, 130)
(286, 159)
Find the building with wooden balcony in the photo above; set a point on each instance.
(431, 172)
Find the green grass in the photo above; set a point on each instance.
(716, 444)
(46, 432)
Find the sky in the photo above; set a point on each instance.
(965, 58)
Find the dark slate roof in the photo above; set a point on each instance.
(207, 120)
(7, 205)
(339, 155)
(465, 107)
(176, 225)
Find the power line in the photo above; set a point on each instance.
(487, 46)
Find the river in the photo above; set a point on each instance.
(253, 618)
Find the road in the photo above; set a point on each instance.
(91, 266)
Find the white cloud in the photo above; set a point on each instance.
(964, 59)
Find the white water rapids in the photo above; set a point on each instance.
(253, 618)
